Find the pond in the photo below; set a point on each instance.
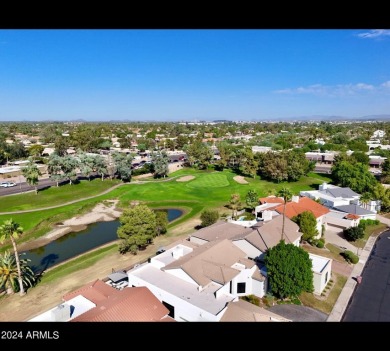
(77, 243)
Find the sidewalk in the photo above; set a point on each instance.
(342, 302)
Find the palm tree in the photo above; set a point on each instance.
(235, 204)
(11, 230)
(9, 273)
(286, 194)
(365, 199)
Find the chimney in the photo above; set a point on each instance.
(267, 215)
(323, 186)
(295, 198)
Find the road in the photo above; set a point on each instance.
(23, 186)
(371, 300)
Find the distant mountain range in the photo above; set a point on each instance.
(317, 118)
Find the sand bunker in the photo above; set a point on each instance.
(100, 213)
(185, 179)
(240, 180)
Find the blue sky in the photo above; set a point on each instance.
(164, 75)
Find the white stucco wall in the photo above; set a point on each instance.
(245, 276)
(319, 281)
(248, 248)
(183, 310)
(258, 288)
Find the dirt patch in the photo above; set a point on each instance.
(185, 179)
(240, 180)
(102, 212)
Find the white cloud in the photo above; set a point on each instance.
(375, 33)
(335, 90)
(386, 84)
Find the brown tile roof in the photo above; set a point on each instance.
(221, 230)
(243, 311)
(304, 204)
(94, 291)
(258, 276)
(210, 262)
(127, 305)
(269, 233)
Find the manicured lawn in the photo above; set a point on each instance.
(55, 196)
(213, 180)
(325, 304)
(157, 194)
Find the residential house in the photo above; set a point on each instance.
(100, 302)
(342, 201)
(273, 206)
(197, 282)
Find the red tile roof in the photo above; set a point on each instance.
(271, 200)
(127, 305)
(304, 204)
(94, 291)
(352, 216)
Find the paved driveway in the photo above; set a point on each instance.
(335, 236)
(299, 313)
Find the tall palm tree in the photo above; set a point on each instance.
(9, 273)
(286, 194)
(365, 199)
(11, 230)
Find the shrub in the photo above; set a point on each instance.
(353, 233)
(350, 257)
(209, 217)
(252, 299)
(367, 222)
(249, 216)
(320, 244)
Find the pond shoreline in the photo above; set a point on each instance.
(100, 213)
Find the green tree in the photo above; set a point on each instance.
(353, 233)
(162, 222)
(36, 151)
(123, 165)
(61, 144)
(208, 217)
(68, 167)
(54, 168)
(86, 164)
(354, 175)
(9, 274)
(12, 230)
(160, 162)
(252, 199)
(138, 228)
(307, 224)
(286, 194)
(199, 154)
(31, 172)
(248, 162)
(361, 157)
(100, 166)
(289, 269)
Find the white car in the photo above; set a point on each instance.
(7, 184)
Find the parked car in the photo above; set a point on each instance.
(7, 184)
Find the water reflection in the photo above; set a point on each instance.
(76, 243)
